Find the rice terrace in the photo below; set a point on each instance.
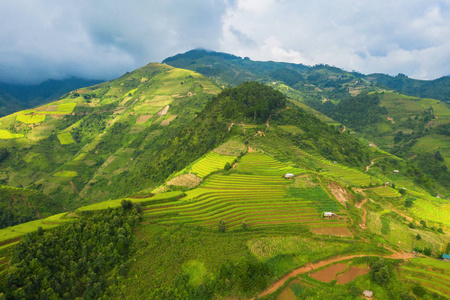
(167, 183)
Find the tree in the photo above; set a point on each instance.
(423, 223)
(244, 225)
(380, 272)
(126, 204)
(418, 237)
(222, 226)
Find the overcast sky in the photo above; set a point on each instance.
(102, 39)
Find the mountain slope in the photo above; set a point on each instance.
(80, 147)
(16, 97)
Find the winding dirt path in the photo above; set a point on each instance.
(372, 162)
(363, 224)
(309, 267)
(343, 130)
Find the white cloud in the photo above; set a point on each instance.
(104, 38)
(403, 36)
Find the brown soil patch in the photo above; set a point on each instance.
(143, 79)
(288, 294)
(260, 133)
(190, 180)
(341, 194)
(250, 149)
(351, 274)
(329, 273)
(337, 231)
(390, 119)
(167, 121)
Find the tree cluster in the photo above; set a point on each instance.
(72, 260)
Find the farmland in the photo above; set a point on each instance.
(210, 163)
(431, 208)
(431, 274)
(259, 200)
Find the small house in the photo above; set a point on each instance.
(396, 171)
(329, 214)
(368, 294)
(288, 175)
(446, 257)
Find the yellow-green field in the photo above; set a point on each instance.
(65, 138)
(431, 208)
(6, 135)
(67, 174)
(210, 163)
(30, 118)
(386, 192)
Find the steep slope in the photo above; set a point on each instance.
(80, 148)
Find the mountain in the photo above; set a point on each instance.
(194, 191)
(403, 125)
(436, 89)
(14, 97)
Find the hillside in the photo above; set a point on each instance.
(216, 218)
(436, 89)
(80, 148)
(14, 97)
(402, 125)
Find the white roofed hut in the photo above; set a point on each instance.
(288, 175)
(329, 214)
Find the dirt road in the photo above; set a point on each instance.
(309, 267)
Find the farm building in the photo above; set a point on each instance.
(446, 257)
(328, 214)
(288, 175)
(368, 294)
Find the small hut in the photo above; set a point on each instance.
(329, 214)
(288, 175)
(368, 294)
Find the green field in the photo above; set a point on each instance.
(66, 108)
(65, 174)
(431, 208)
(210, 163)
(386, 192)
(432, 274)
(30, 118)
(12, 232)
(65, 138)
(159, 198)
(260, 200)
(6, 135)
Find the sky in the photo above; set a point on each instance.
(103, 39)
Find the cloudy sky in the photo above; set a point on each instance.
(103, 39)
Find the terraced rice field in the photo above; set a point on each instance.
(30, 119)
(386, 192)
(66, 174)
(259, 200)
(430, 208)
(338, 172)
(431, 274)
(210, 163)
(261, 164)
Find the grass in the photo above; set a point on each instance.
(291, 129)
(30, 118)
(430, 208)
(65, 138)
(65, 174)
(66, 108)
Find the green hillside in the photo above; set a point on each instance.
(79, 148)
(162, 185)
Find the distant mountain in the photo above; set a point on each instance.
(436, 89)
(14, 97)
